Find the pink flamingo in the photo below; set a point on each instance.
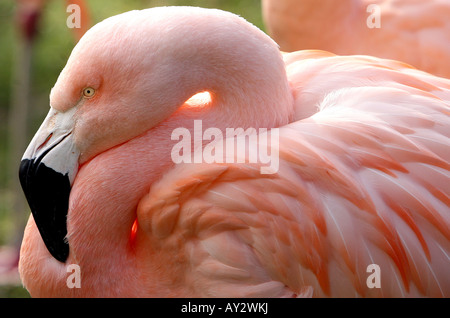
(415, 32)
(363, 169)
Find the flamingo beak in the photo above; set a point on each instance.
(46, 173)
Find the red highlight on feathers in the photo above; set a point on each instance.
(133, 234)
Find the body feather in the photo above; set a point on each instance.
(362, 181)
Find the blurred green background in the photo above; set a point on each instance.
(48, 53)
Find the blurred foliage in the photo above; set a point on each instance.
(51, 49)
(12, 291)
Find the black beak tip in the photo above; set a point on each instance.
(47, 192)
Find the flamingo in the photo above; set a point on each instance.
(415, 32)
(362, 179)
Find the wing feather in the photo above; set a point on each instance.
(362, 180)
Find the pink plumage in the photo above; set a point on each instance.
(363, 168)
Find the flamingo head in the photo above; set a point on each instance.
(127, 75)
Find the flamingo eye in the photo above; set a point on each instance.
(88, 92)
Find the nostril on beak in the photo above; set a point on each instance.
(45, 142)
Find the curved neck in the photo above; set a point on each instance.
(248, 87)
(241, 67)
